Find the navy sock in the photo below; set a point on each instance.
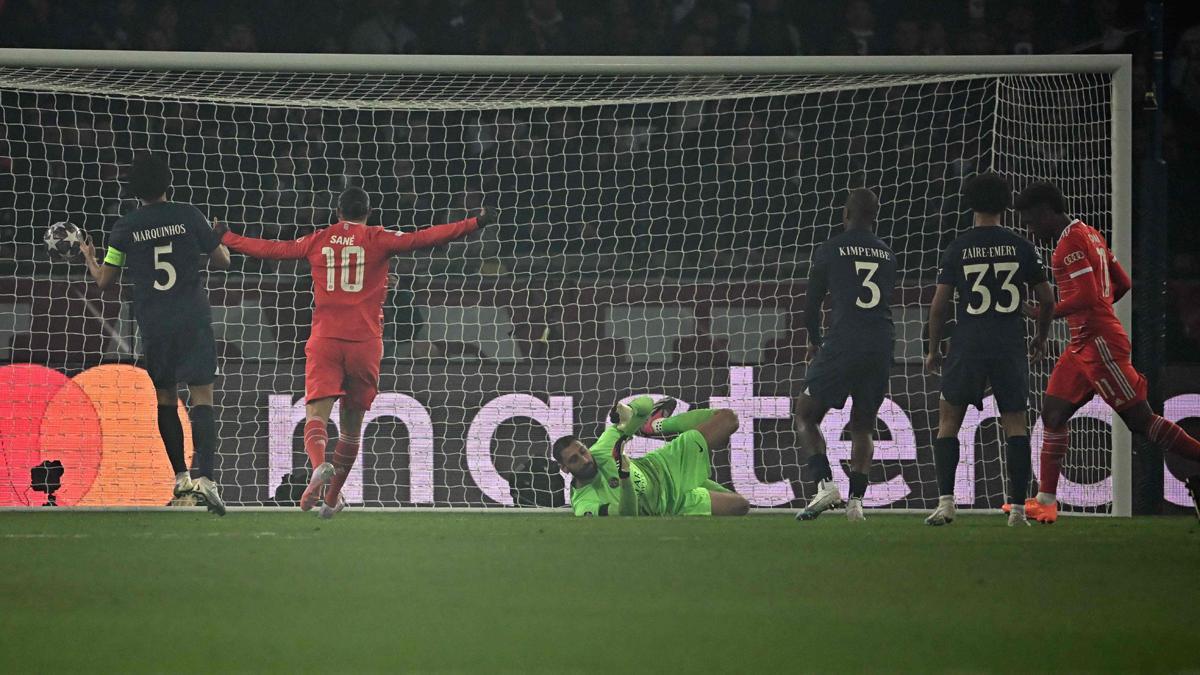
(204, 438)
(818, 467)
(858, 485)
(171, 430)
(945, 457)
(1020, 468)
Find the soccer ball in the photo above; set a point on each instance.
(63, 240)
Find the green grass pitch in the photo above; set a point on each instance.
(468, 592)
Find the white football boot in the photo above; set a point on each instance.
(945, 512)
(328, 511)
(208, 489)
(1016, 516)
(854, 510)
(828, 496)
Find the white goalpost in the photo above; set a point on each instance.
(657, 215)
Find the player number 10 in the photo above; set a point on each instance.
(349, 285)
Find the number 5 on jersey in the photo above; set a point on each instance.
(358, 265)
(165, 265)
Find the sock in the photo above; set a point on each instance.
(171, 430)
(945, 460)
(344, 454)
(316, 437)
(204, 439)
(858, 485)
(818, 466)
(1019, 458)
(683, 421)
(1054, 450)
(1172, 438)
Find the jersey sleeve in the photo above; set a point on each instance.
(269, 249)
(948, 270)
(392, 241)
(1121, 283)
(814, 297)
(202, 230)
(587, 503)
(1032, 265)
(118, 245)
(1077, 279)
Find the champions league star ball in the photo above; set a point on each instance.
(63, 240)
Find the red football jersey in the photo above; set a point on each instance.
(1089, 281)
(350, 269)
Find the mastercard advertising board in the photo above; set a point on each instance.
(101, 424)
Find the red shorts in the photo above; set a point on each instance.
(1101, 367)
(344, 368)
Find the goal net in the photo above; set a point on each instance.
(654, 236)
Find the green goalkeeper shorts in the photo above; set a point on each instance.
(681, 468)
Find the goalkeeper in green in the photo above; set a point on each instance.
(671, 481)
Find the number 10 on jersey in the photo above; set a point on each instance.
(352, 258)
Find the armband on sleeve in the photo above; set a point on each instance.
(114, 257)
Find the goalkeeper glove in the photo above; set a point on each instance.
(623, 417)
(622, 459)
(484, 217)
(220, 228)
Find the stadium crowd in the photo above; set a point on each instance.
(279, 167)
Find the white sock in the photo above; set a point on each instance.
(1018, 508)
(946, 499)
(1045, 498)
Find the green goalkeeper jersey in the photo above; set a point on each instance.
(602, 495)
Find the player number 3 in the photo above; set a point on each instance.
(870, 268)
(348, 285)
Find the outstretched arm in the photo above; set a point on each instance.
(264, 248)
(397, 242)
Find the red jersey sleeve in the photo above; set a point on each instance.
(266, 248)
(396, 242)
(1075, 272)
(1121, 283)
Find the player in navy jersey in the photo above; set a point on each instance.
(855, 359)
(162, 245)
(989, 268)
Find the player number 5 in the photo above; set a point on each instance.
(165, 265)
(870, 268)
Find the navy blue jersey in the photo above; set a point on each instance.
(859, 271)
(990, 268)
(161, 246)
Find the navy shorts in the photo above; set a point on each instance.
(836, 374)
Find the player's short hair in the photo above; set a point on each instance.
(560, 446)
(1042, 193)
(354, 203)
(987, 193)
(862, 203)
(149, 176)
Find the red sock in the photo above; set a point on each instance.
(1054, 449)
(344, 454)
(316, 437)
(1172, 438)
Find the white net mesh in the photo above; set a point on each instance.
(654, 236)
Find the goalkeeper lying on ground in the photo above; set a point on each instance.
(670, 481)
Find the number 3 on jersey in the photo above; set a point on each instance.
(985, 296)
(870, 268)
(358, 265)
